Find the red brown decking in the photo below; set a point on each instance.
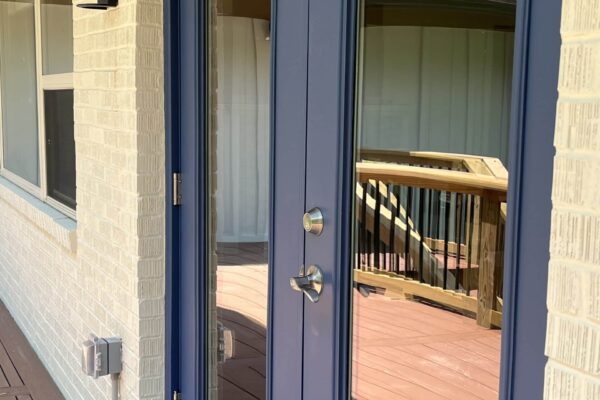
(22, 375)
(408, 350)
(242, 307)
(401, 349)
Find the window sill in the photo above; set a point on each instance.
(55, 224)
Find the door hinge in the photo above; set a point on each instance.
(176, 188)
(177, 395)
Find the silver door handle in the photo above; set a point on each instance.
(310, 283)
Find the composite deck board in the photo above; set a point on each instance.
(244, 376)
(481, 350)
(8, 368)
(402, 349)
(241, 306)
(401, 386)
(22, 375)
(460, 353)
(415, 371)
(228, 390)
(3, 380)
(461, 367)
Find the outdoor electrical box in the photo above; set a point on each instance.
(101, 356)
(226, 341)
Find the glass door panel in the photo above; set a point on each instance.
(432, 123)
(239, 76)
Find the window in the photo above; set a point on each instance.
(37, 147)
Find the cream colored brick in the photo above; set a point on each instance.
(580, 17)
(578, 126)
(580, 68)
(114, 283)
(573, 335)
(575, 235)
(573, 173)
(567, 384)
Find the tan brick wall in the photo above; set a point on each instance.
(573, 336)
(112, 281)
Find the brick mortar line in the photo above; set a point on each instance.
(571, 369)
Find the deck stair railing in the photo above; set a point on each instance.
(431, 226)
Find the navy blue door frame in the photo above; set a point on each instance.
(535, 93)
(186, 253)
(537, 50)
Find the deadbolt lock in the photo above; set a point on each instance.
(313, 221)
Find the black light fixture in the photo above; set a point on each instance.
(99, 5)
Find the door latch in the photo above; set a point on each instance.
(310, 283)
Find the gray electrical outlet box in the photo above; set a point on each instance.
(226, 343)
(101, 356)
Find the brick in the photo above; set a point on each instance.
(580, 17)
(573, 335)
(114, 283)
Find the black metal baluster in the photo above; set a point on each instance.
(385, 248)
(446, 236)
(409, 195)
(368, 235)
(376, 222)
(470, 246)
(398, 217)
(458, 226)
(433, 230)
(429, 212)
(437, 213)
(393, 208)
(390, 189)
(421, 231)
(359, 234)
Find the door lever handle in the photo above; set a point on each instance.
(311, 283)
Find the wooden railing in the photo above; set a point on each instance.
(431, 226)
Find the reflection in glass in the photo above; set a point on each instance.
(18, 89)
(239, 159)
(60, 146)
(57, 36)
(434, 90)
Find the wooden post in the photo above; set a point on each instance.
(489, 268)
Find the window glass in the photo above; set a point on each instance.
(57, 36)
(239, 198)
(434, 101)
(18, 89)
(60, 146)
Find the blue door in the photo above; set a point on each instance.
(342, 223)
(234, 326)
(414, 159)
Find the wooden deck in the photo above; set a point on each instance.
(401, 349)
(242, 307)
(409, 350)
(22, 375)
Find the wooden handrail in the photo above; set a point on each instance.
(488, 187)
(485, 178)
(432, 159)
